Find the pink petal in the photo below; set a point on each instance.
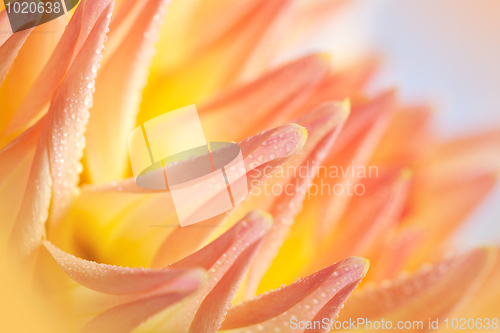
(303, 299)
(69, 114)
(213, 309)
(332, 308)
(26, 67)
(110, 279)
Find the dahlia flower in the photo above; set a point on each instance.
(335, 174)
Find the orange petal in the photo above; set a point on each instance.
(361, 229)
(302, 300)
(26, 67)
(332, 308)
(9, 50)
(440, 211)
(430, 293)
(406, 139)
(69, 115)
(49, 79)
(115, 107)
(341, 85)
(353, 149)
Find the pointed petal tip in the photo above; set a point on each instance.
(262, 217)
(301, 131)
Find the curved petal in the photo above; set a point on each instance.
(55, 168)
(302, 300)
(26, 67)
(49, 79)
(53, 72)
(111, 279)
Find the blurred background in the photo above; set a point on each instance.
(444, 52)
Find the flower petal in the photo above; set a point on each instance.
(486, 301)
(438, 212)
(361, 229)
(354, 148)
(234, 49)
(105, 220)
(9, 50)
(228, 258)
(26, 67)
(323, 125)
(115, 107)
(303, 299)
(55, 169)
(45, 85)
(110, 279)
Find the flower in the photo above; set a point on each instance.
(350, 175)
